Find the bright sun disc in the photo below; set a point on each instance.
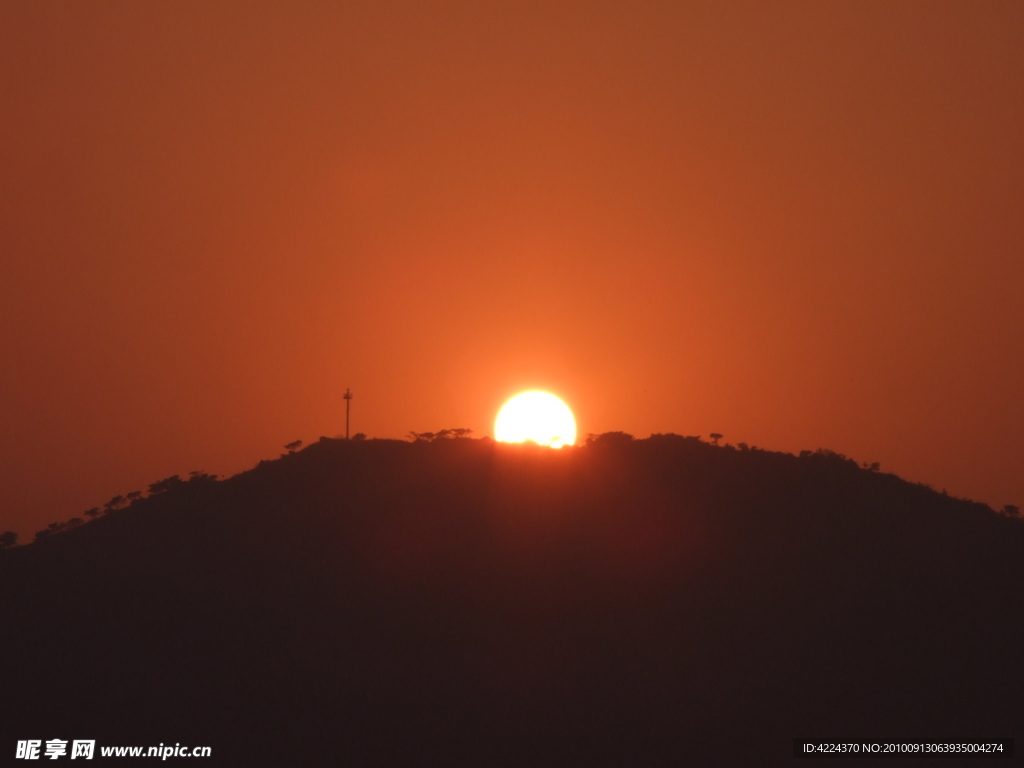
(536, 416)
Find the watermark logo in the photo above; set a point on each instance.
(53, 749)
(29, 749)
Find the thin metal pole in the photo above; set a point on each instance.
(348, 407)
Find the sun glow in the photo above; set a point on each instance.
(536, 416)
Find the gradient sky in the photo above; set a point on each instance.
(795, 223)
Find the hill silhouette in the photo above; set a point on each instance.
(465, 602)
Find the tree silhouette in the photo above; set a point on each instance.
(114, 503)
(8, 539)
(444, 434)
(715, 437)
(165, 485)
(293, 446)
(608, 439)
(93, 513)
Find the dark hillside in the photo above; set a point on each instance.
(462, 602)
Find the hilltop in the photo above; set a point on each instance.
(464, 602)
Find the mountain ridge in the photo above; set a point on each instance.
(385, 602)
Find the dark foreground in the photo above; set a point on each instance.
(630, 603)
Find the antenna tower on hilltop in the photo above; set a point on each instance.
(348, 407)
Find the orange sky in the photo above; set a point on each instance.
(797, 224)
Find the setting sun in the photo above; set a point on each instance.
(536, 416)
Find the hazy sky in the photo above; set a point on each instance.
(795, 223)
